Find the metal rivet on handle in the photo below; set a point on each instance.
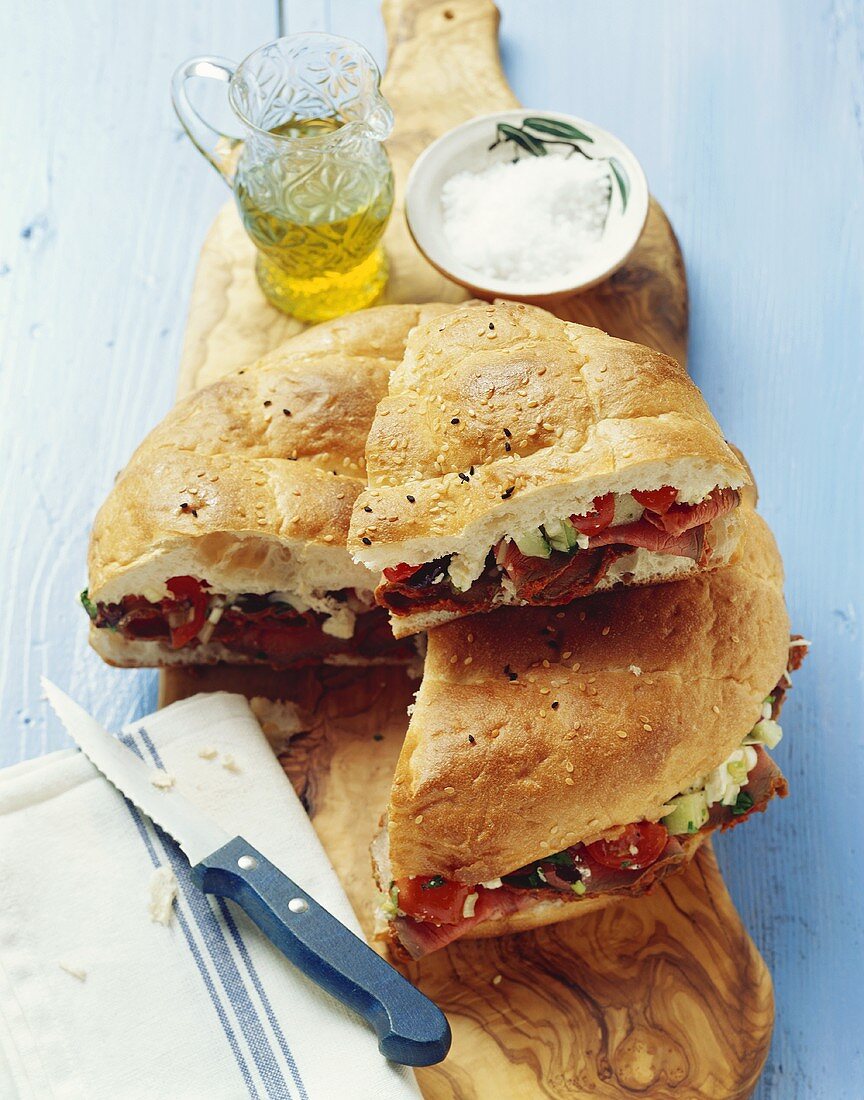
(247, 863)
(298, 905)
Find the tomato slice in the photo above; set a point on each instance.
(398, 573)
(656, 500)
(432, 898)
(187, 590)
(637, 847)
(598, 520)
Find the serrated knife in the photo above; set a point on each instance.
(411, 1030)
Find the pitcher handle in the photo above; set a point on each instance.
(217, 147)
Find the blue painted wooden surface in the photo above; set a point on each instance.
(749, 120)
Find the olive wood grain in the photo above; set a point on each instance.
(664, 996)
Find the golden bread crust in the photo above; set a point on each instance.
(262, 466)
(585, 413)
(620, 701)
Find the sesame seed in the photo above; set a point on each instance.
(569, 766)
(716, 709)
(418, 820)
(545, 663)
(621, 733)
(560, 615)
(544, 691)
(453, 659)
(542, 713)
(328, 538)
(605, 631)
(647, 727)
(569, 781)
(576, 666)
(566, 654)
(497, 979)
(470, 637)
(449, 790)
(467, 660)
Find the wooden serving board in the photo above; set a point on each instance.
(664, 996)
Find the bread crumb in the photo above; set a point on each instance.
(497, 979)
(636, 670)
(75, 971)
(163, 891)
(163, 780)
(229, 763)
(208, 753)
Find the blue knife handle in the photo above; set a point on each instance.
(411, 1030)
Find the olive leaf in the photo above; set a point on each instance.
(556, 128)
(506, 132)
(622, 179)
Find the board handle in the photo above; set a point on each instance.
(411, 1030)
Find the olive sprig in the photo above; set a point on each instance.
(535, 134)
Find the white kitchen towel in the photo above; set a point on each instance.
(97, 1000)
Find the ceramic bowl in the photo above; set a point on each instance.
(504, 136)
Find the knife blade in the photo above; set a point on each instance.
(410, 1028)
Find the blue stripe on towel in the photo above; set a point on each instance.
(193, 946)
(232, 980)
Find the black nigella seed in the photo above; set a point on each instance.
(267, 404)
(508, 492)
(367, 509)
(455, 420)
(410, 499)
(471, 739)
(508, 433)
(507, 447)
(491, 326)
(555, 705)
(471, 471)
(286, 412)
(367, 542)
(464, 477)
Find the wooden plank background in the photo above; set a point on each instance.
(748, 120)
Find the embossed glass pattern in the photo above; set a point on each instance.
(311, 178)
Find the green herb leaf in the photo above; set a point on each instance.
(88, 604)
(510, 133)
(555, 128)
(560, 859)
(436, 880)
(743, 803)
(622, 179)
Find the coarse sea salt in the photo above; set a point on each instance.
(532, 220)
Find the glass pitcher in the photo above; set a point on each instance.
(310, 175)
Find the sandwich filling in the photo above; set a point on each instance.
(275, 628)
(562, 560)
(427, 912)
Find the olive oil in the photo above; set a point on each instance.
(316, 206)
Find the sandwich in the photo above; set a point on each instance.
(559, 759)
(224, 539)
(520, 459)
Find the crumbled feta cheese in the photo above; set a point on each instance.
(163, 780)
(465, 568)
(636, 670)
(492, 884)
(470, 903)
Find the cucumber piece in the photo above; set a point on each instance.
(532, 544)
(689, 813)
(561, 535)
(766, 732)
